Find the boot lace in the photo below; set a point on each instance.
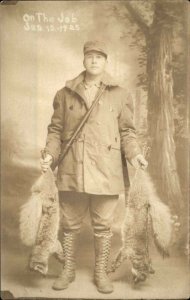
(102, 255)
(68, 245)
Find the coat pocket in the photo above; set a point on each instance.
(68, 164)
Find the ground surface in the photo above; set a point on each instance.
(171, 280)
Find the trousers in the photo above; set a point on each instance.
(74, 206)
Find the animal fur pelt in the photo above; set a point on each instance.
(145, 214)
(39, 223)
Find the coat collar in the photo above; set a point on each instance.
(73, 84)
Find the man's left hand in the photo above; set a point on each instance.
(139, 162)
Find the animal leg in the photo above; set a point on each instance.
(117, 262)
(58, 252)
(38, 262)
(44, 246)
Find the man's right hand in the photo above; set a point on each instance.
(46, 162)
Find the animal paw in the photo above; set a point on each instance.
(60, 257)
(38, 267)
(58, 252)
(175, 228)
(138, 276)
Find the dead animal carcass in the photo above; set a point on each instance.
(39, 223)
(145, 215)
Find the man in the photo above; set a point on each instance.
(91, 175)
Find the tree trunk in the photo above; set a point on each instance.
(137, 110)
(162, 161)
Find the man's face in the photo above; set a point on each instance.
(94, 62)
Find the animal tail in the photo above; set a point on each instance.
(161, 225)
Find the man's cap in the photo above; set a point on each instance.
(95, 45)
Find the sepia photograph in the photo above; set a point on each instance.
(95, 149)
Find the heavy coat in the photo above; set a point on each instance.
(93, 164)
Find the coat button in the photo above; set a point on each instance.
(93, 162)
(100, 102)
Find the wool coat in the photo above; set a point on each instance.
(93, 164)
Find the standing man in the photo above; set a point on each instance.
(90, 175)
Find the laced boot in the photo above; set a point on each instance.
(102, 251)
(68, 273)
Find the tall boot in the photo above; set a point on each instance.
(102, 250)
(68, 273)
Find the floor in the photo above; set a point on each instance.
(171, 280)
